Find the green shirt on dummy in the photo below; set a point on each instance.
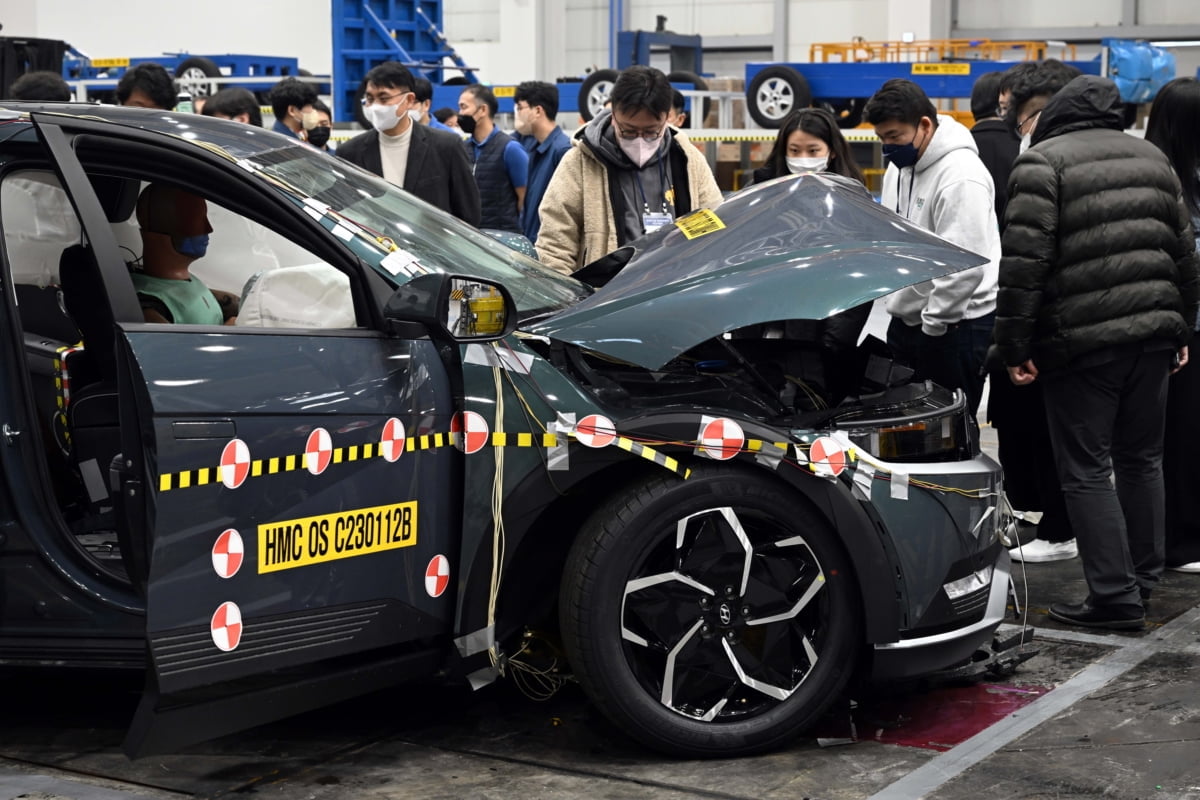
(189, 302)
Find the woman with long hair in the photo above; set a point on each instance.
(809, 141)
(1173, 125)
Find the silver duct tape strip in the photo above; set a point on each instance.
(558, 455)
(476, 642)
(482, 677)
(771, 455)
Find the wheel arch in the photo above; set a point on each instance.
(542, 522)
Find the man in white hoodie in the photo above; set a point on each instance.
(936, 179)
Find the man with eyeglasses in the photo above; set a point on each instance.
(428, 163)
(627, 174)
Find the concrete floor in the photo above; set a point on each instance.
(1091, 715)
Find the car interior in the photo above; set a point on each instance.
(64, 311)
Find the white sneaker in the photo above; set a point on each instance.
(1191, 566)
(1039, 550)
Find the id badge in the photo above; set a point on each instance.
(652, 222)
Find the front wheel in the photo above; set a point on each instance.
(716, 616)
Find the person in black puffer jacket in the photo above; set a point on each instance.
(1099, 287)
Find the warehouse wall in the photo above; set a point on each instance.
(298, 28)
(512, 40)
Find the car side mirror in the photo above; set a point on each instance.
(462, 308)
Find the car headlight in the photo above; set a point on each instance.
(932, 426)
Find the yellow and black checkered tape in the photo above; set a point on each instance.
(187, 479)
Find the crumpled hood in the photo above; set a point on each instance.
(605, 148)
(1088, 101)
(798, 247)
(950, 135)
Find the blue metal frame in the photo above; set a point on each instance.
(369, 32)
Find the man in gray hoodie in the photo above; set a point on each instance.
(627, 174)
(936, 179)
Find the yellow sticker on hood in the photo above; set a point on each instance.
(328, 537)
(699, 223)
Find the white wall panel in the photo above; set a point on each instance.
(812, 21)
(1169, 12)
(705, 17)
(299, 28)
(472, 21)
(975, 14)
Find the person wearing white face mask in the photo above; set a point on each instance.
(292, 102)
(809, 140)
(627, 174)
(428, 163)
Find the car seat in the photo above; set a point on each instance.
(93, 422)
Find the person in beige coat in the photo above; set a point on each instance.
(627, 174)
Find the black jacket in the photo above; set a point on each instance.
(438, 171)
(1097, 247)
(998, 149)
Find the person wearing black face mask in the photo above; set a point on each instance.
(174, 227)
(935, 179)
(318, 134)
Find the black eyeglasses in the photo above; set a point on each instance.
(645, 134)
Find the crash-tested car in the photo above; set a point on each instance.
(415, 448)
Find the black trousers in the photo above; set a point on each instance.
(1018, 413)
(953, 360)
(1179, 470)
(1103, 419)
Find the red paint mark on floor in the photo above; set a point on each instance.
(941, 718)
(935, 719)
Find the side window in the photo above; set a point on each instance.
(39, 224)
(273, 282)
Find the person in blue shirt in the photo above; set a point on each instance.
(292, 101)
(500, 165)
(423, 89)
(535, 108)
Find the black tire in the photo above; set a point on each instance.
(457, 80)
(627, 622)
(776, 92)
(192, 74)
(701, 85)
(847, 111)
(594, 92)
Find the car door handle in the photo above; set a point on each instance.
(204, 429)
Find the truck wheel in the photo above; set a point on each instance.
(594, 92)
(716, 616)
(694, 120)
(195, 74)
(776, 92)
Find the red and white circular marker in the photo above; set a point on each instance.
(226, 626)
(595, 430)
(228, 553)
(235, 463)
(472, 430)
(391, 441)
(827, 456)
(437, 576)
(318, 451)
(722, 439)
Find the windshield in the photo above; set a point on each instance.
(393, 231)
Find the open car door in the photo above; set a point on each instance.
(271, 503)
